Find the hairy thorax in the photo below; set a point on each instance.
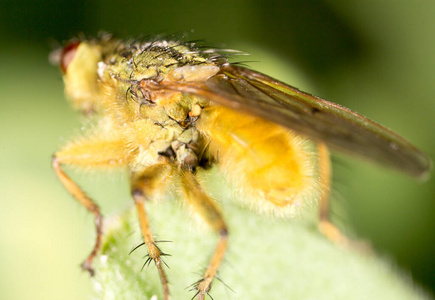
(157, 125)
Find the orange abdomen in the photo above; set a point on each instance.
(270, 164)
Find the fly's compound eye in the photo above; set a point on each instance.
(67, 55)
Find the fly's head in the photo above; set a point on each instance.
(78, 62)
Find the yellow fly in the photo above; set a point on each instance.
(168, 108)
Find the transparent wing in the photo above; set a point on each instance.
(246, 90)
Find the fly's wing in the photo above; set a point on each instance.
(340, 128)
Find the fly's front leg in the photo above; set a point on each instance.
(211, 214)
(90, 205)
(92, 153)
(145, 185)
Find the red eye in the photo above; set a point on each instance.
(67, 55)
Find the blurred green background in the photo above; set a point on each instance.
(376, 57)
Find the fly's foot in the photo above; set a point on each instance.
(333, 233)
(87, 266)
(336, 236)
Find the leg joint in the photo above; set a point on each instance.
(137, 194)
(55, 162)
(223, 232)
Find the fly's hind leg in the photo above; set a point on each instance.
(211, 214)
(144, 185)
(326, 226)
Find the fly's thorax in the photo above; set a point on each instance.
(126, 75)
(149, 61)
(180, 145)
(175, 135)
(127, 102)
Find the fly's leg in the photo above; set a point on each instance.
(90, 205)
(154, 253)
(211, 214)
(144, 185)
(326, 226)
(96, 152)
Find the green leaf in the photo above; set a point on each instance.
(268, 258)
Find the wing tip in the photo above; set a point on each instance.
(423, 171)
